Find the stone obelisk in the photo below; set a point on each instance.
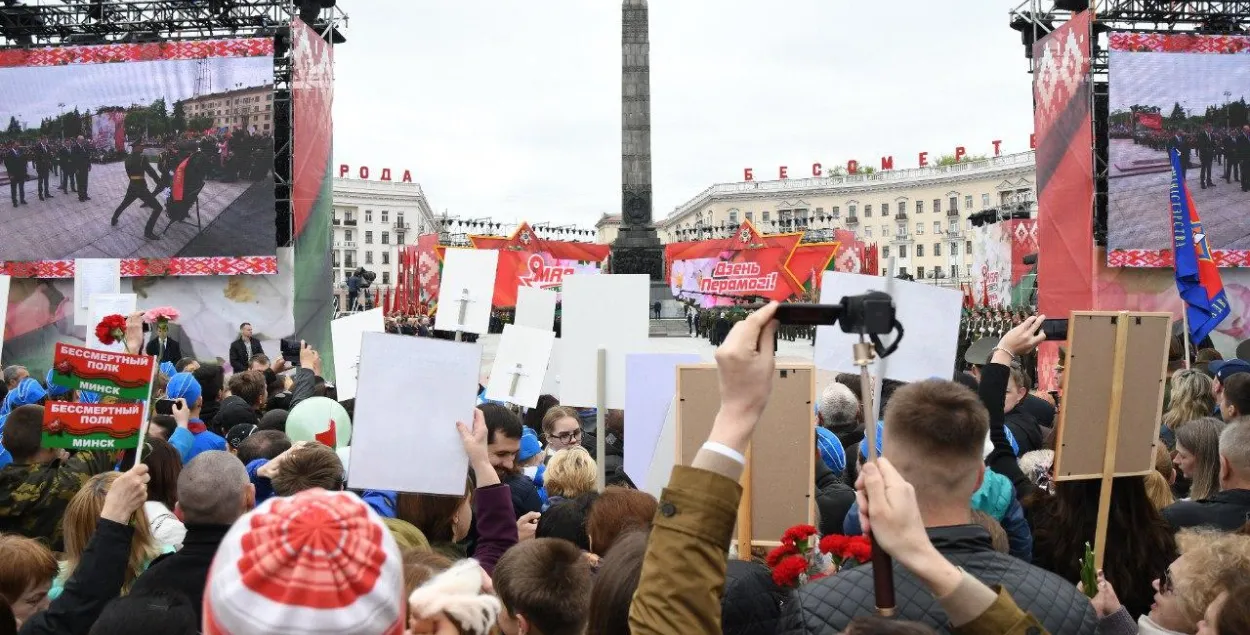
(637, 248)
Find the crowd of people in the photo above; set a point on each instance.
(1206, 148)
(234, 521)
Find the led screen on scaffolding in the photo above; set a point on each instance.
(1180, 91)
(200, 115)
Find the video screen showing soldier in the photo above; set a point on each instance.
(150, 158)
(1185, 92)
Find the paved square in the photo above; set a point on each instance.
(63, 227)
(1139, 214)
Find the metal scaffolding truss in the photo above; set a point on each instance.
(49, 22)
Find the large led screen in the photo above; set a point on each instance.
(144, 152)
(1187, 92)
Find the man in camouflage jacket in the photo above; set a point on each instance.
(38, 485)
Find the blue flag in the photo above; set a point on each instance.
(1197, 276)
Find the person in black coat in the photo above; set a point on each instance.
(15, 165)
(101, 571)
(44, 155)
(163, 346)
(1207, 144)
(243, 348)
(1180, 143)
(69, 176)
(136, 166)
(213, 492)
(80, 157)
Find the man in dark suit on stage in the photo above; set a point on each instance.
(1179, 142)
(43, 157)
(164, 347)
(15, 164)
(1207, 146)
(81, 157)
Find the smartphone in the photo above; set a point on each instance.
(290, 350)
(164, 407)
(800, 314)
(1055, 330)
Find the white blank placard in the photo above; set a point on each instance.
(102, 305)
(468, 279)
(525, 352)
(535, 308)
(410, 393)
(4, 305)
(346, 333)
(650, 388)
(607, 312)
(929, 315)
(94, 276)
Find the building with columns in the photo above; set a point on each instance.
(920, 216)
(372, 220)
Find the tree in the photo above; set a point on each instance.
(1178, 114)
(949, 159)
(179, 120)
(14, 127)
(200, 124)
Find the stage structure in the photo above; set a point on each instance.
(1072, 49)
(41, 299)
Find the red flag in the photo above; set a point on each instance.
(985, 293)
(1154, 121)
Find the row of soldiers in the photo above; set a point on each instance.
(714, 324)
(1229, 147)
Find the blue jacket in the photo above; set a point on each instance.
(182, 440)
(264, 487)
(382, 501)
(203, 442)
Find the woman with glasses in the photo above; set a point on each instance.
(1183, 591)
(562, 429)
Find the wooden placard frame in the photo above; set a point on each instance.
(1104, 430)
(784, 436)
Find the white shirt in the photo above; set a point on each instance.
(166, 527)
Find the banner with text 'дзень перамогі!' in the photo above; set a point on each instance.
(124, 383)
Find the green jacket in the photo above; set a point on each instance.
(33, 496)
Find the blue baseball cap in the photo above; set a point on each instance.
(28, 392)
(168, 369)
(1223, 369)
(53, 389)
(529, 445)
(184, 386)
(831, 451)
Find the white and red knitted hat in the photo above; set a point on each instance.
(316, 562)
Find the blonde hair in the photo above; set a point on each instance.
(1158, 491)
(1191, 397)
(570, 473)
(1209, 556)
(82, 516)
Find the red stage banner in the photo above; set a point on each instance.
(1065, 168)
(747, 264)
(526, 260)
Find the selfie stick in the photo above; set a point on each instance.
(882, 564)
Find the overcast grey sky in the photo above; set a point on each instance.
(512, 109)
(34, 92)
(1195, 80)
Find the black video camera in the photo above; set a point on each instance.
(366, 277)
(869, 314)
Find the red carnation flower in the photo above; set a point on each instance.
(110, 329)
(859, 550)
(778, 554)
(56, 426)
(798, 533)
(833, 544)
(787, 572)
(65, 367)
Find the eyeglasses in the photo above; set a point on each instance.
(565, 437)
(1166, 584)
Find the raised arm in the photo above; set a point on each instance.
(683, 571)
(993, 391)
(496, 520)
